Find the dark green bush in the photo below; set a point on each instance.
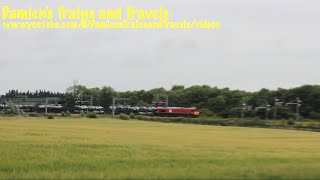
(132, 116)
(50, 117)
(249, 123)
(207, 112)
(142, 117)
(291, 122)
(92, 115)
(68, 114)
(124, 117)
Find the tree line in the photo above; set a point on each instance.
(37, 94)
(213, 101)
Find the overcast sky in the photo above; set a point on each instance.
(262, 44)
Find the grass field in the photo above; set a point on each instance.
(35, 148)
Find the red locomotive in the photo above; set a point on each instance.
(177, 111)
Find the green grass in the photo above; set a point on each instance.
(38, 148)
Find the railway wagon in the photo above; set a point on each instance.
(177, 111)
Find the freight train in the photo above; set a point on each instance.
(157, 111)
(177, 111)
(120, 109)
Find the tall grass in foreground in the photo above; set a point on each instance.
(37, 148)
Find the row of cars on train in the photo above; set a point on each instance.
(56, 108)
(157, 111)
(119, 109)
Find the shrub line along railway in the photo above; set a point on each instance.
(24, 106)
